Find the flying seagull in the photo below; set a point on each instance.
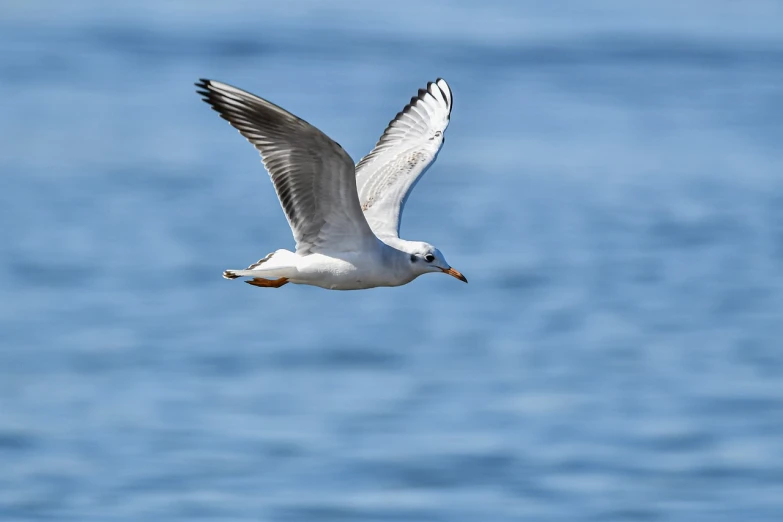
(345, 219)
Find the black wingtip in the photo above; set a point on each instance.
(203, 83)
(449, 97)
(204, 90)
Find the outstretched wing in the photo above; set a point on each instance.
(313, 176)
(408, 146)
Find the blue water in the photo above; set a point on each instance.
(610, 184)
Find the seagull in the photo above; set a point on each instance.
(345, 219)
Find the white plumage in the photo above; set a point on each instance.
(346, 237)
(407, 148)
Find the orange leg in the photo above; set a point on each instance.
(268, 283)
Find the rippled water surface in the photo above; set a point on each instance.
(611, 185)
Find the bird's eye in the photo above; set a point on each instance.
(413, 258)
(429, 258)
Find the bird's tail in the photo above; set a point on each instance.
(280, 263)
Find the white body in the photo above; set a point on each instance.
(383, 266)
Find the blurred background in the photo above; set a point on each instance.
(611, 186)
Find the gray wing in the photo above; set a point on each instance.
(407, 148)
(313, 176)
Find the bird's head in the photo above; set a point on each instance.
(425, 258)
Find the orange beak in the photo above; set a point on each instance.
(454, 273)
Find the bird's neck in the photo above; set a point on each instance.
(397, 257)
(397, 243)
